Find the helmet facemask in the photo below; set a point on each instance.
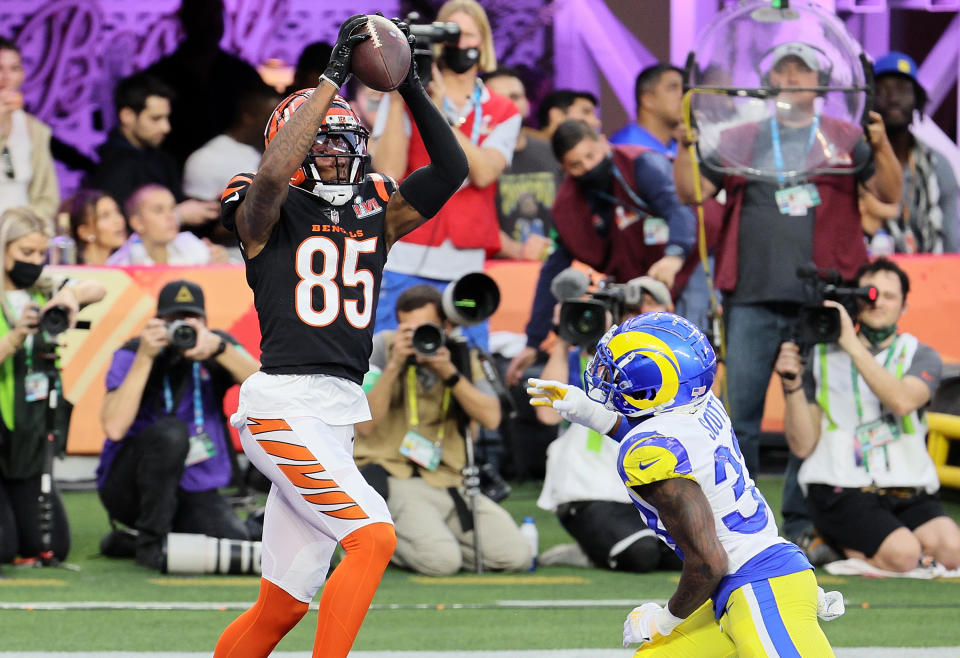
(345, 151)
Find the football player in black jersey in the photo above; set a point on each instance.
(314, 230)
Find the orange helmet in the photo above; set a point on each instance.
(341, 137)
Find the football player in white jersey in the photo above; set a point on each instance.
(743, 590)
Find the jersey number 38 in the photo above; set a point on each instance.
(357, 314)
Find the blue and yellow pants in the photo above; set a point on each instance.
(774, 617)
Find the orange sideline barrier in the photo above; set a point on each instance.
(131, 300)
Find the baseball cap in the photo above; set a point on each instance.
(798, 49)
(657, 289)
(898, 64)
(181, 297)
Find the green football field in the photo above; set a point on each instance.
(113, 605)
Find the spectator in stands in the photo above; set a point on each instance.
(157, 238)
(465, 232)
(562, 105)
(617, 211)
(131, 157)
(413, 450)
(209, 168)
(871, 486)
(27, 174)
(207, 82)
(763, 241)
(26, 292)
(527, 187)
(310, 66)
(96, 224)
(926, 219)
(659, 90)
(582, 485)
(166, 453)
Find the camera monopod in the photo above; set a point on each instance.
(470, 300)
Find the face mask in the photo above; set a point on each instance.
(877, 336)
(597, 178)
(23, 274)
(460, 60)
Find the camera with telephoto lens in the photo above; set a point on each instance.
(584, 321)
(193, 553)
(819, 323)
(428, 338)
(181, 334)
(55, 320)
(429, 34)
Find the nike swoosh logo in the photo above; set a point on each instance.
(644, 467)
(233, 197)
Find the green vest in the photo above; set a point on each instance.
(25, 423)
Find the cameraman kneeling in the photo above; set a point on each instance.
(856, 417)
(27, 371)
(414, 448)
(166, 452)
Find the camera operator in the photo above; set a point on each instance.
(166, 453)
(413, 449)
(582, 486)
(27, 371)
(856, 417)
(617, 211)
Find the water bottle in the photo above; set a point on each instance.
(882, 244)
(529, 530)
(62, 249)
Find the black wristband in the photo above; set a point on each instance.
(452, 380)
(221, 349)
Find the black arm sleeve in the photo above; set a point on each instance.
(429, 187)
(541, 315)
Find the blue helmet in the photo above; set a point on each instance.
(650, 363)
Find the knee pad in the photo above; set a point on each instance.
(376, 539)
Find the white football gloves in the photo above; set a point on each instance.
(647, 621)
(572, 404)
(829, 604)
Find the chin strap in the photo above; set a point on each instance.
(335, 195)
(877, 336)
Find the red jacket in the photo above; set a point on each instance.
(469, 218)
(837, 233)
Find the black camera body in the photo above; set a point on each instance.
(181, 334)
(819, 323)
(584, 321)
(55, 320)
(428, 338)
(427, 35)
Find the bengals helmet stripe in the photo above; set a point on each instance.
(340, 119)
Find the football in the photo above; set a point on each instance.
(381, 62)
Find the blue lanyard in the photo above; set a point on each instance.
(778, 154)
(448, 108)
(197, 399)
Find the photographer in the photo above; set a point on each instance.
(27, 371)
(466, 231)
(582, 486)
(871, 486)
(414, 447)
(166, 451)
(618, 212)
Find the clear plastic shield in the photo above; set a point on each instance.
(779, 94)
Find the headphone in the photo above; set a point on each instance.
(823, 75)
